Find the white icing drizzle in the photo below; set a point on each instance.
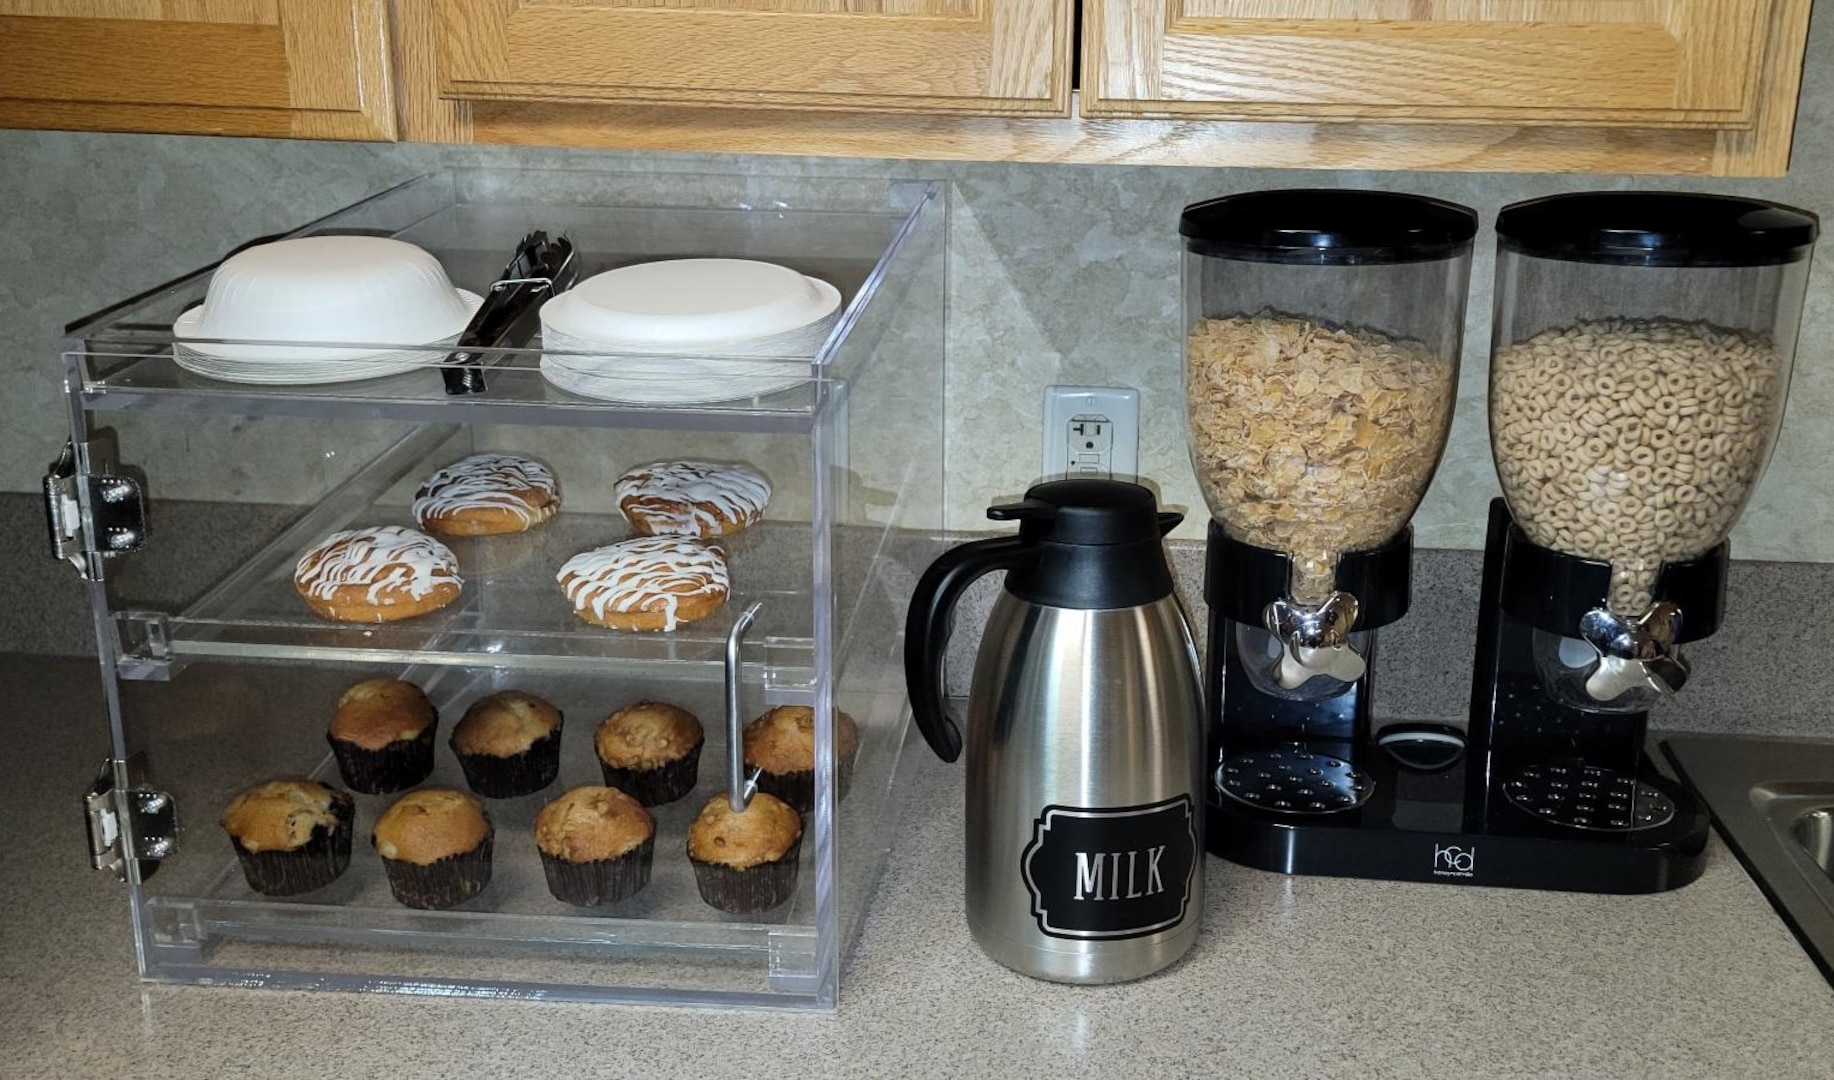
(648, 573)
(486, 481)
(414, 562)
(736, 492)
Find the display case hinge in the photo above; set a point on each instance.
(130, 827)
(94, 508)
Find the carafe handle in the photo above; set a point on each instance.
(931, 620)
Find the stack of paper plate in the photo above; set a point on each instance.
(281, 313)
(686, 331)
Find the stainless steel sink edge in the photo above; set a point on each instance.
(1757, 790)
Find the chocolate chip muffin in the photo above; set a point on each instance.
(596, 844)
(508, 744)
(650, 751)
(781, 744)
(382, 736)
(435, 845)
(745, 862)
(291, 835)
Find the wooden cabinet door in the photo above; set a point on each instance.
(1005, 57)
(302, 68)
(1644, 63)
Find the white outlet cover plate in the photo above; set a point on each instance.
(1113, 413)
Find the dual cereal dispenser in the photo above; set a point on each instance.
(1641, 350)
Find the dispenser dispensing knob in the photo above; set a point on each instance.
(1315, 639)
(1635, 654)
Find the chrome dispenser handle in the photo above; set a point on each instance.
(1315, 639)
(739, 787)
(1636, 653)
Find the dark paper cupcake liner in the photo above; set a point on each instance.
(603, 881)
(396, 767)
(444, 882)
(519, 774)
(798, 788)
(747, 892)
(663, 784)
(314, 865)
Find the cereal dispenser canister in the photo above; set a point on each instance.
(1322, 332)
(1641, 353)
(1321, 341)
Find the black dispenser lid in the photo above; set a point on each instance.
(1328, 227)
(1657, 228)
(1098, 544)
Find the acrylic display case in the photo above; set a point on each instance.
(186, 501)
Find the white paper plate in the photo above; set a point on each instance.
(674, 378)
(676, 305)
(645, 383)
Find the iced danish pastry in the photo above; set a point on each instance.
(649, 583)
(377, 575)
(692, 498)
(487, 495)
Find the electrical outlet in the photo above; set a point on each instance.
(1091, 431)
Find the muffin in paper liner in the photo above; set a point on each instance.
(508, 743)
(442, 883)
(396, 767)
(745, 861)
(601, 881)
(663, 784)
(317, 863)
(780, 744)
(798, 788)
(752, 890)
(519, 774)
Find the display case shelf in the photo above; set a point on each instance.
(210, 924)
(512, 613)
(518, 395)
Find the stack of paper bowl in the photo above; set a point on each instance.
(321, 309)
(686, 331)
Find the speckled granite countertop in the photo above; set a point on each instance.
(1291, 978)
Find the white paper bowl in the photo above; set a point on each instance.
(368, 290)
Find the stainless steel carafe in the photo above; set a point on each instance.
(1084, 832)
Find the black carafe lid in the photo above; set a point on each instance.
(1097, 541)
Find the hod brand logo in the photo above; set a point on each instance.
(1454, 861)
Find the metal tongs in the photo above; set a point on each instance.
(507, 318)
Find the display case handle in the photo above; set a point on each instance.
(739, 786)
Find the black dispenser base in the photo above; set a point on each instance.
(1452, 821)
(1412, 829)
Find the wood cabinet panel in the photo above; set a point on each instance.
(1009, 57)
(306, 68)
(1643, 63)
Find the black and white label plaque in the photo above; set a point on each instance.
(1109, 873)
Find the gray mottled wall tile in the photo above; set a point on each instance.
(1059, 274)
(1742, 682)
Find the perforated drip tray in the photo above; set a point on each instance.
(1293, 780)
(1589, 797)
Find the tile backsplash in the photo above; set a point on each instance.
(1059, 274)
